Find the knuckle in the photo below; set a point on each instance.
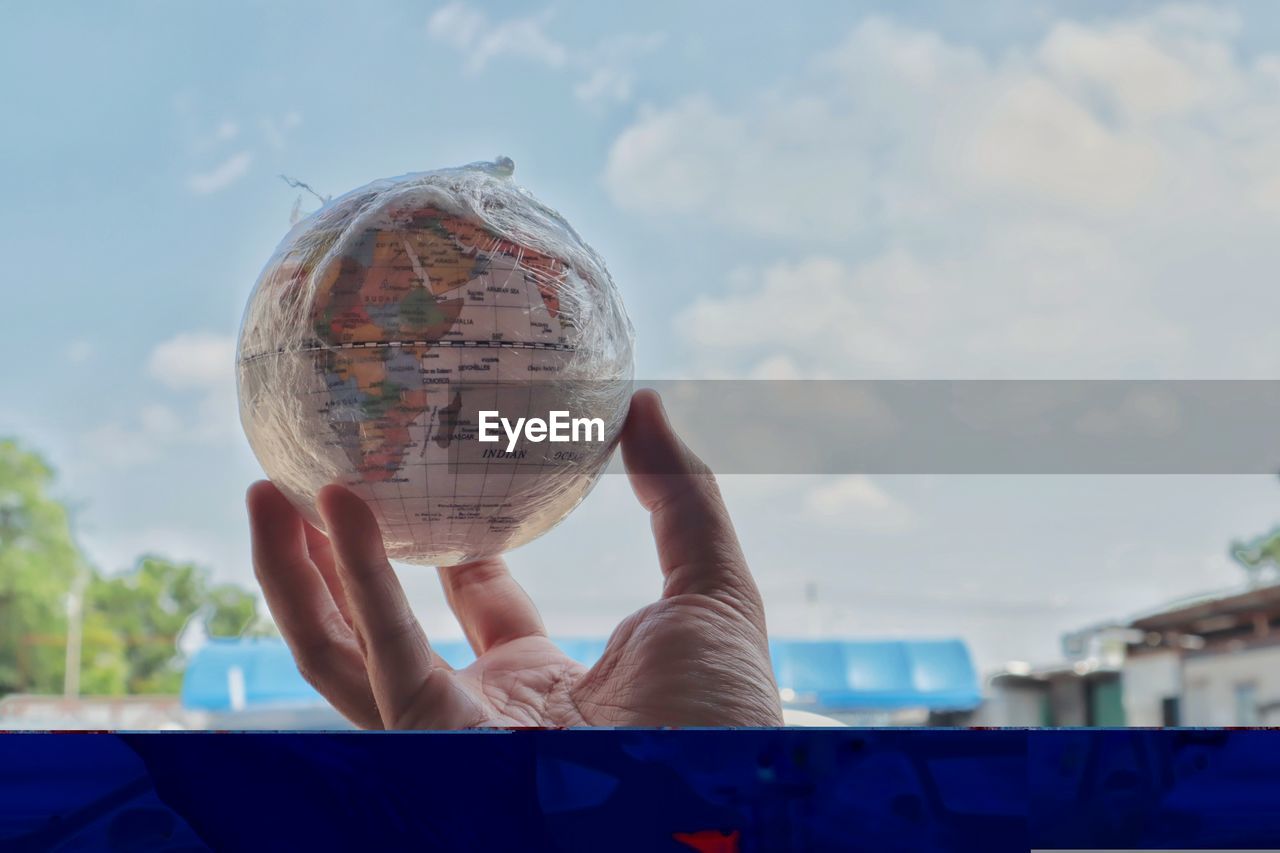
(395, 631)
(310, 662)
(313, 653)
(370, 569)
(308, 674)
(477, 574)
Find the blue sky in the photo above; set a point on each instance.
(999, 189)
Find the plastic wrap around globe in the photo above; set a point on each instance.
(389, 318)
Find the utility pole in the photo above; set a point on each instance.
(75, 612)
(75, 632)
(814, 608)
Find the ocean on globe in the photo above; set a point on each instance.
(389, 319)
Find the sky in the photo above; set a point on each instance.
(832, 190)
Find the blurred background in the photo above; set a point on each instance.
(992, 190)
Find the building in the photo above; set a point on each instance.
(1069, 694)
(1085, 689)
(1208, 661)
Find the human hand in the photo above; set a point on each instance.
(696, 657)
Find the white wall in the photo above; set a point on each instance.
(1146, 680)
(1009, 706)
(1210, 684)
(1070, 703)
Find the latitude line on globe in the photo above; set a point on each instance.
(318, 347)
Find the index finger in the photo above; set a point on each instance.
(410, 682)
(322, 643)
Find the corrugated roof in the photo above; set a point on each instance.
(877, 674)
(832, 674)
(271, 680)
(1241, 599)
(267, 671)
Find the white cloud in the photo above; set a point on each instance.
(691, 159)
(116, 551)
(216, 164)
(198, 365)
(777, 367)
(159, 420)
(223, 175)
(1095, 117)
(482, 40)
(457, 24)
(203, 362)
(1061, 210)
(857, 502)
(276, 130)
(604, 84)
(79, 352)
(194, 360)
(898, 315)
(605, 71)
(113, 446)
(201, 136)
(608, 71)
(1039, 142)
(120, 446)
(226, 131)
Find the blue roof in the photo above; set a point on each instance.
(831, 674)
(271, 679)
(877, 674)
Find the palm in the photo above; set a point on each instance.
(527, 682)
(696, 657)
(668, 664)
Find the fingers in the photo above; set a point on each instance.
(491, 607)
(697, 547)
(320, 550)
(408, 680)
(303, 607)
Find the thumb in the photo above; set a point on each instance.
(698, 549)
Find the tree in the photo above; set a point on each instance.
(131, 621)
(38, 560)
(137, 617)
(1258, 554)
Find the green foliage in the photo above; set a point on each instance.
(1258, 554)
(38, 560)
(140, 614)
(1261, 551)
(131, 621)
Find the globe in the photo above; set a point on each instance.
(391, 325)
